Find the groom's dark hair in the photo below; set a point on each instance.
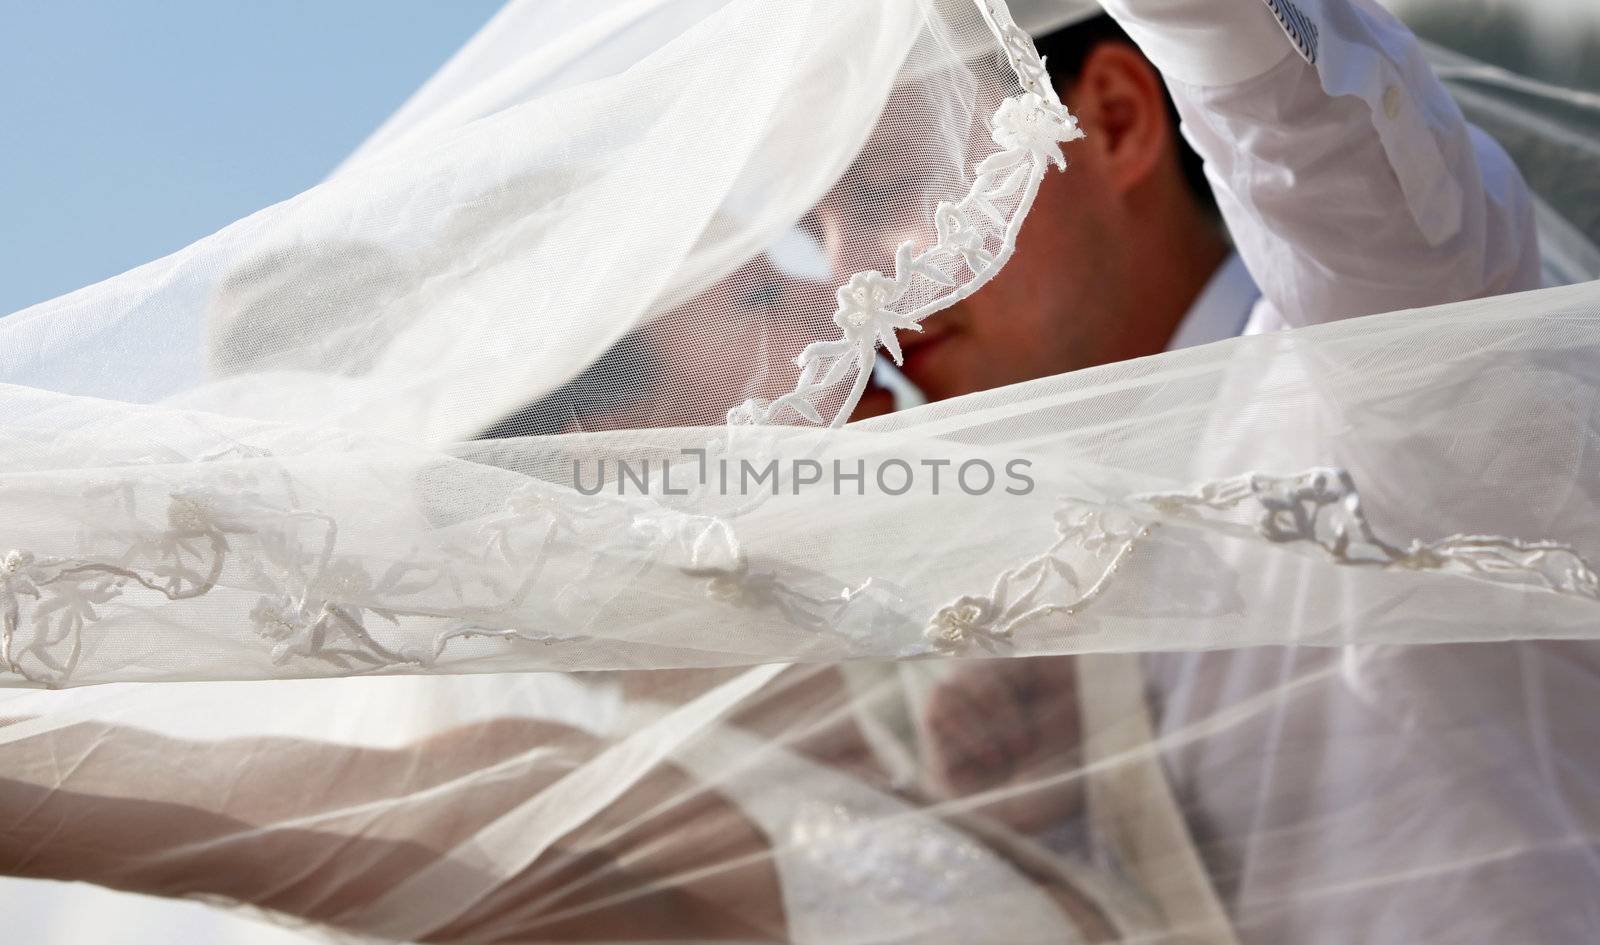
(1067, 49)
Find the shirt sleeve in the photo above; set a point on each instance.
(1379, 795)
(1350, 180)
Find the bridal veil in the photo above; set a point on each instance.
(477, 550)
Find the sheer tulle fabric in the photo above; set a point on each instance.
(456, 430)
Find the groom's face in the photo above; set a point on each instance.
(1041, 314)
(1077, 290)
(1035, 318)
(1055, 305)
(1030, 319)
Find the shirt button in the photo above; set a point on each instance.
(1391, 102)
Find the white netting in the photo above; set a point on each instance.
(536, 410)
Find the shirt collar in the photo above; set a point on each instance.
(1221, 309)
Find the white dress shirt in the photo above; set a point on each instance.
(1374, 795)
(1222, 309)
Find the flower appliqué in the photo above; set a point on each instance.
(1029, 123)
(969, 619)
(957, 233)
(865, 316)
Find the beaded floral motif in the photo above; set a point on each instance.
(1029, 123)
(967, 620)
(1322, 508)
(865, 316)
(321, 611)
(1319, 508)
(318, 611)
(1089, 541)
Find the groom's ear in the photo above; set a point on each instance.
(1122, 108)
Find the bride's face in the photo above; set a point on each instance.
(739, 339)
(690, 365)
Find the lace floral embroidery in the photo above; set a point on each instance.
(318, 611)
(1319, 508)
(1089, 542)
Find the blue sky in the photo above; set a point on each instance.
(128, 130)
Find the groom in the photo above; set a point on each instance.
(1349, 184)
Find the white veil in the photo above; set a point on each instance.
(549, 381)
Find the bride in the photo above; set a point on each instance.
(808, 803)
